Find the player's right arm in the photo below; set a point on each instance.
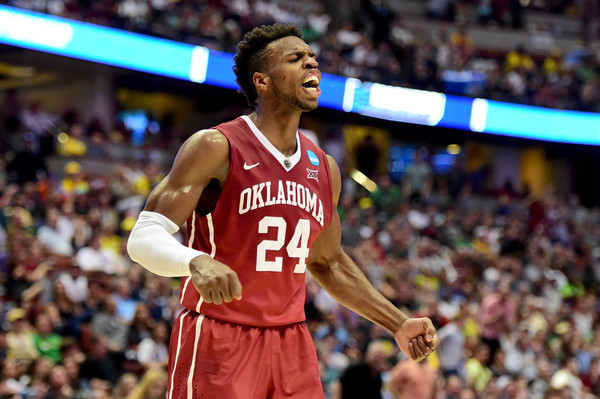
(203, 158)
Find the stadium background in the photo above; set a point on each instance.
(83, 143)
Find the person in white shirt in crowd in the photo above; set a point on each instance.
(153, 351)
(94, 258)
(56, 233)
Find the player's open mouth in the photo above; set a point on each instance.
(311, 84)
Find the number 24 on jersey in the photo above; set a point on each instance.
(296, 248)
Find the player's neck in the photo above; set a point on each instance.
(279, 128)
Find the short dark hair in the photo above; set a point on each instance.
(251, 51)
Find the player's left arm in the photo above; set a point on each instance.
(344, 281)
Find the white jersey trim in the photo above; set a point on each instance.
(282, 159)
(211, 235)
(190, 243)
(172, 382)
(213, 251)
(190, 391)
(191, 239)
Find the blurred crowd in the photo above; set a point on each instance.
(373, 43)
(511, 282)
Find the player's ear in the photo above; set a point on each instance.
(261, 81)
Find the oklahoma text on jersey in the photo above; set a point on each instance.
(288, 193)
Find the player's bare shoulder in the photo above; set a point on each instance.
(208, 142)
(207, 150)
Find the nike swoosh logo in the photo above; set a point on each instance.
(248, 167)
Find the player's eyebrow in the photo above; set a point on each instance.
(300, 52)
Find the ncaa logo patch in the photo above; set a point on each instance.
(312, 157)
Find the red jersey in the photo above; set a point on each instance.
(270, 211)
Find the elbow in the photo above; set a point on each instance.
(132, 248)
(134, 243)
(319, 268)
(324, 265)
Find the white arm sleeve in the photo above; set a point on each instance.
(152, 245)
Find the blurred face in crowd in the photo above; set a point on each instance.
(453, 385)
(161, 332)
(467, 394)
(482, 354)
(157, 388)
(43, 324)
(58, 377)
(376, 357)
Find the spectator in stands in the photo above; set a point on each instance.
(39, 372)
(412, 381)
(97, 144)
(463, 45)
(125, 304)
(93, 258)
(363, 380)
(108, 324)
(518, 58)
(100, 363)
(368, 156)
(520, 360)
(318, 21)
(418, 179)
(456, 182)
(478, 374)
(386, 197)
(567, 378)
(11, 108)
(37, 121)
(350, 229)
(498, 315)
(348, 37)
(56, 233)
(74, 182)
(141, 326)
(28, 165)
(71, 144)
(14, 380)
(553, 64)
(125, 386)
(19, 339)
(452, 347)
(152, 352)
(58, 384)
(153, 385)
(591, 379)
(541, 384)
(47, 342)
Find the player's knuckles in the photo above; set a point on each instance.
(226, 295)
(422, 345)
(205, 292)
(219, 281)
(232, 277)
(417, 348)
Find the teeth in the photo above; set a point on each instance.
(311, 79)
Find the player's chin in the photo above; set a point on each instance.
(308, 106)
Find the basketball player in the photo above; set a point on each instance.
(260, 202)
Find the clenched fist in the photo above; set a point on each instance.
(215, 281)
(417, 338)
